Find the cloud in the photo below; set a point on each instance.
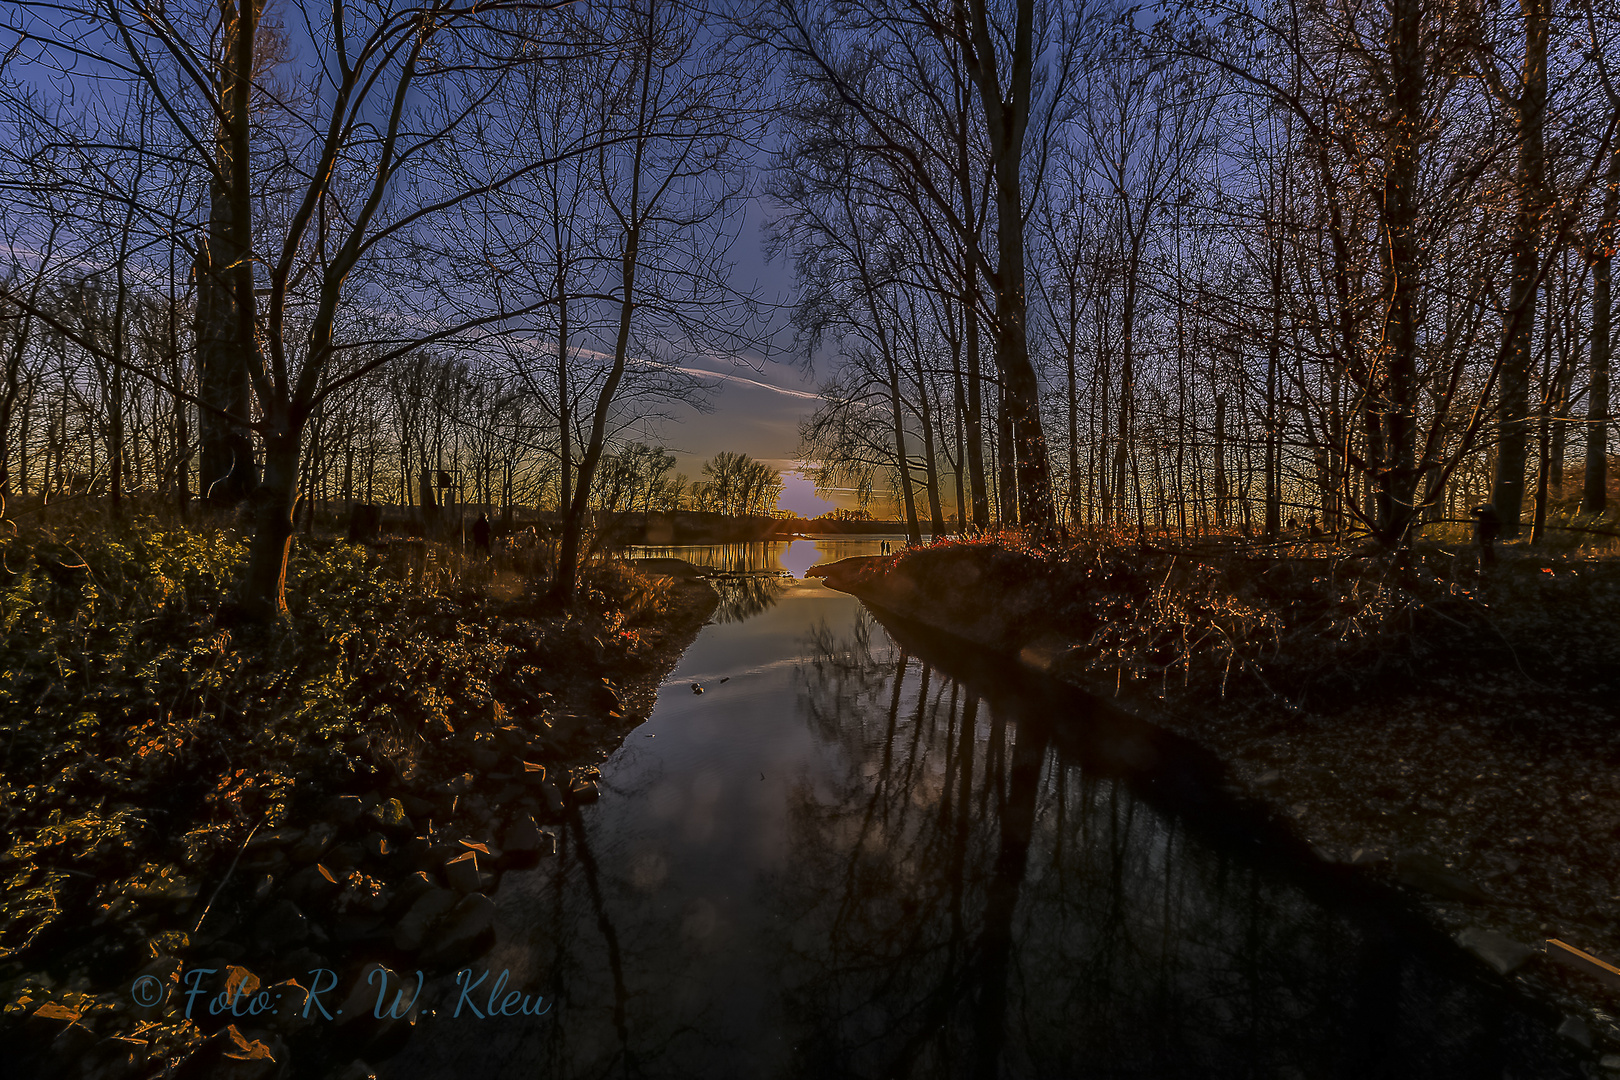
(726, 376)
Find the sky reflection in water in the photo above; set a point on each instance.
(841, 862)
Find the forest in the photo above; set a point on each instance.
(1196, 267)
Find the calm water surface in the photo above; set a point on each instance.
(863, 855)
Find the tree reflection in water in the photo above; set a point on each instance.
(949, 874)
(746, 594)
(976, 897)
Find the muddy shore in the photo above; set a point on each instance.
(1451, 739)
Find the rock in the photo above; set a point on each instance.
(1611, 1062)
(554, 800)
(346, 809)
(118, 1057)
(464, 932)
(282, 925)
(240, 983)
(74, 1043)
(1270, 776)
(1428, 874)
(375, 846)
(416, 806)
(1366, 856)
(1575, 1030)
(583, 791)
(391, 818)
(526, 840)
(304, 961)
(340, 858)
(606, 699)
(412, 928)
(414, 886)
(459, 785)
(358, 928)
(1327, 853)
(356, 1070)
(53, 1030)
(314, 844)
(289, 997)
(419, 852)
(48, 1021)
(1502, 953)
(443, 851)
(265, 859)
(312, 885)
(532, 774)
(508, 793)
(361, 1000)
(485, 758)
(225, 952)
(462, 872)
(230, 1055)
(268, 838)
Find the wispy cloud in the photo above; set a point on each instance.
(726, 376)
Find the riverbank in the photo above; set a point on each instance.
(1447, 731)
(335, 793)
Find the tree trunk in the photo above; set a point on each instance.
(974, 445)
(1006, 120)
(568, 555)
(225, 337)
(936, 515)
(565, 413)
(913, 530)
(1273, 463)
(1220, 462)
(1070, 357)
(1393, 433)
(1595, 486)
(958, 466)
(1006, 483)
(264, 588)
(1507, 491)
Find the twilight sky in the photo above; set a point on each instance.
(755, 412)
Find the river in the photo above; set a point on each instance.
(857, 854)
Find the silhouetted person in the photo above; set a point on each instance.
(480, 532)
(1316, 530)
(1487, 527)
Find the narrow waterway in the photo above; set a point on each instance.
(864, 854)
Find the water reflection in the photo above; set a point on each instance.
(731, 558)
(869, 857)
(745, 595)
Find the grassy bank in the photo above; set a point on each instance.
(181, 789)
(1447, 728)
